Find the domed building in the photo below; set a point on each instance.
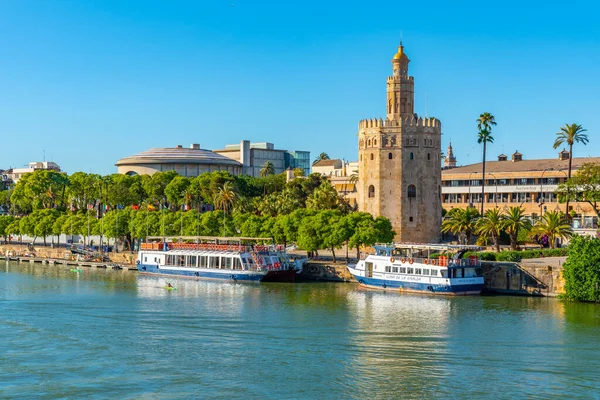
(190, 162)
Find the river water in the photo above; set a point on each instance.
(114, 334)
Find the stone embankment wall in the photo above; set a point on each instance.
(326, 271)
(535, 277)
(59, 253)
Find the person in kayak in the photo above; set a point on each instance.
(169, 285)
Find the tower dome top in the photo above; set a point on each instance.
(400, 54)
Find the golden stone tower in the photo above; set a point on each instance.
(399, 162)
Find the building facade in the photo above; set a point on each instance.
(399, 162)
(530, 184)
(343, 176)
(253, 157)
(189, 162)
(17, 173)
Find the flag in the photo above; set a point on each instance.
(135, 207)
(120, 206)
(90, 206)
(106, 207)
(151, 207)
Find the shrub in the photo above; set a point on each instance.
(582, 270)
(513, 256)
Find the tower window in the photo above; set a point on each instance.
(371, 156)
(428, 156)
(361, 157)
(369, 142)
(390, 156)
(371, 191)
(374, 142)
(411, 156)
(412, 191)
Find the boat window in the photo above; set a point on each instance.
(434, 272)
(181, 261)
(145, 259)
(213, 262)
(191, 261)
(394, 269)
(155, 259)
(425, 271)
(237, 263)
(226, 262)
(418, 271)
(203, 261)
(443, 273)
(170, 259)
(388, 268)
(410, 270)
(402, 270)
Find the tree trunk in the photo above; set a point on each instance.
(483, 180)
(333, 253)
(357, 252)
(45, 241)
(513, 241)
(497, 243)
(569, 177)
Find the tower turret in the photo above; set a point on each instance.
(400, 88)
(450, 161)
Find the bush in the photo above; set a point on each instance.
(582, 270)
(513, 256)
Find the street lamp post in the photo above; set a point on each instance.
(496, 184)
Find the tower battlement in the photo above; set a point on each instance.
(406, 78)
(401, 122)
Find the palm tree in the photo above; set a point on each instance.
(484, 124)
(554, 224)
(226, 197)
(322, 156)
(491, 224)
(515, 220)
(461, 221)
(267, 169)
(570, 134)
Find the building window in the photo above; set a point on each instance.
(369, 142)
(410, 219)
(361, 157)
(371, 191)
(390, 156)
(428, 156)
(371, 156)
(412, 156)
(374, 142)
(412, 191)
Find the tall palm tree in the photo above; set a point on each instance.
(570, 134)
(226, 197)
(267, 169)
(322, 156)
(484, 124)
(515, 220)
(554, 224)
(461, 221)
(491, 225)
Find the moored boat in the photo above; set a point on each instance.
(228, 258)
(425, 268)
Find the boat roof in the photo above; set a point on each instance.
(206, 238)
(429, 246)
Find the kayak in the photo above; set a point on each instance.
(76, 270)
(169, 288)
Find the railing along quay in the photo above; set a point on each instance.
(73, 263)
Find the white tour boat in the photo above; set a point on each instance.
(429, 268)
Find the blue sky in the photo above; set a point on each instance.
(89, 82)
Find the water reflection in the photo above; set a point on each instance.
(402, 342)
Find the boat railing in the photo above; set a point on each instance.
(442, 261)
(210, 247)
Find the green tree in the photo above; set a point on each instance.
(325, 197)
(553, 224)
(226, 197)
(366, 231)
(484, 124)
(491, 225)
(267, 169)
(582, 269)
(570, 134)
(298, 172)
(461, 221)
(584, 186)
(515, 221)
(177, 191)
(322, 156)
(5, 221)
